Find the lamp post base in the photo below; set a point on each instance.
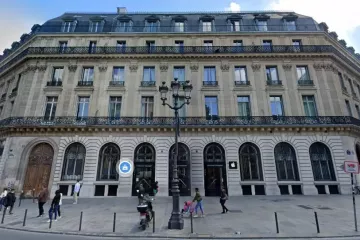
(176, 221)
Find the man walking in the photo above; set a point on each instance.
(76, 191)
(43, 196)
(10, 200)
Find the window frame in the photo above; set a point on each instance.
(53, 106)
(117, 103)
(248, 103)
(281, 103)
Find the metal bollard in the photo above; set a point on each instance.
(81, 216)
(153, 214)
(317, 222)
(3, 216)
(276, 222)
(50, 223)
(191, 222)
(24, 222)
(114, 223)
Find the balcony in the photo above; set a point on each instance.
(210, 83)
(242, 83)
(306, 82)
(54, 83)
(274, 83)
(85, 83)
(117, 84)
(148, 84)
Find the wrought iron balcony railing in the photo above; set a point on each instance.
(274, 82)
(85, 83)
(306, 82)
(242, 83)
(54, 83)
(185, 121)
(288, 49)
(117, 83)
(148, 84)
(210, 83)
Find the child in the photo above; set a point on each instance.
(2, 198)
(187, 207)
(198, 200)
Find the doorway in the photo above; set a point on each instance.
(214, 169)
(183, 169)
(38, 170)
(144, 168)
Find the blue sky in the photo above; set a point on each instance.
(17, 16)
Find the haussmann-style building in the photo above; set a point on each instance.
(274, 107)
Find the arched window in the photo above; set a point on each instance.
(144, 153)
(321, 162)
(286, 164)
(74, 162)
(214, 153)
(250, 162)
(108, 158)
(184, 153)
(183, 167)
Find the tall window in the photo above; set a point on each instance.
(272, 75)
(310, 106)
(244, 106)
(121, 46)
(211, 108)
(179, 46)
(92, 47)
(83, 107)
(208, 45)
(88, 74)
(108, 158)
(179, 73)
(276, 105)
(74, 160)
(118, 74)
(356, 107)
(50, 108)
(348, 107)
(57, 74)
(149, 74)
(250, 162)
(321, 162)
(69, 26)
(302, 73)
(151, 46)
(62, 46)
(179, 27)
(290, 25)
(209, 74)
(262, 25)
(240, 75)
(286, 164)
(147, 107)
(206, 26)
(235, 26)
(115, 107)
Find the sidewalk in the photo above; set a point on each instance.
(253, 216)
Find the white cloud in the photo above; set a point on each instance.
(233, 7)
(341, 17)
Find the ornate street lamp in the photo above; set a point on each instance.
(176, 221)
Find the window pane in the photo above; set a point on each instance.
(88, 74)
(302, 73)
(83, 107)
(244, 106)
(115, 107)
(118, 74)
(240, 74)
(211, 107)
(149, 74)
(147, 106)
(262, 25)
(209, 74)
(58, 72)
(179, 73)
(276, 106)
(309, 106)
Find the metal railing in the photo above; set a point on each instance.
(117, 83)
(274, 82)
(54, 83)
(85, 83)
(306, 82)
(185, 121)
(242, 83)
(210, 83)
(147, 83)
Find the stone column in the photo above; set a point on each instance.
(292, 94)
(224, 83)
(69, 93)
(37, 89)
(195, 97)
(29, 84)
(323, 89)
(134, 88)
(259, 87)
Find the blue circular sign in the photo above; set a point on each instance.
(125, 167)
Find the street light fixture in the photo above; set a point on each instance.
(176, 221)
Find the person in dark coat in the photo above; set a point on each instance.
(155, 187)
(141, 192)
(43, 197)
(223, 198)
(54, 206)
(10, 201)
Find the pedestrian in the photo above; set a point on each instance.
(155, 187)
(2, 198)
(10, 200)
(198, 200)
(60, 203)
(223, 198)
(42, 198)
(54, 209)
(141, 192)
(76, 191)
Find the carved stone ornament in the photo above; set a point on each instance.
(42, 68)
(103, 68)
(328, 67)
(72, 68)
(318, 66)
(225, 67)
(256, 67)
(133, 67)
(194, 67)
(287, 66)
(164, 67)
(31, 68)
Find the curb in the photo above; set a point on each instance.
(190, 236)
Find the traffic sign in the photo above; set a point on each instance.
(351, 167)
(125, 167)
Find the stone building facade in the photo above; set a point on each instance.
(274, 107)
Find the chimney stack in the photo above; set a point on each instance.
(121, 10)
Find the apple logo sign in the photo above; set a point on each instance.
(232, 165)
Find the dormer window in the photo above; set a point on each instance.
(207, 26)
(95, 26)
(152, 24)
(261, 25)
(179, 26)
(123, 26)
(69, 26)
(290, 25)
(235, 26)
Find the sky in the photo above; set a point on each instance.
(18, 16)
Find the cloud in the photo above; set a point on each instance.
(233, 7)
(341, 17)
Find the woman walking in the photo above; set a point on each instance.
(198, 200)
(223, 198)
